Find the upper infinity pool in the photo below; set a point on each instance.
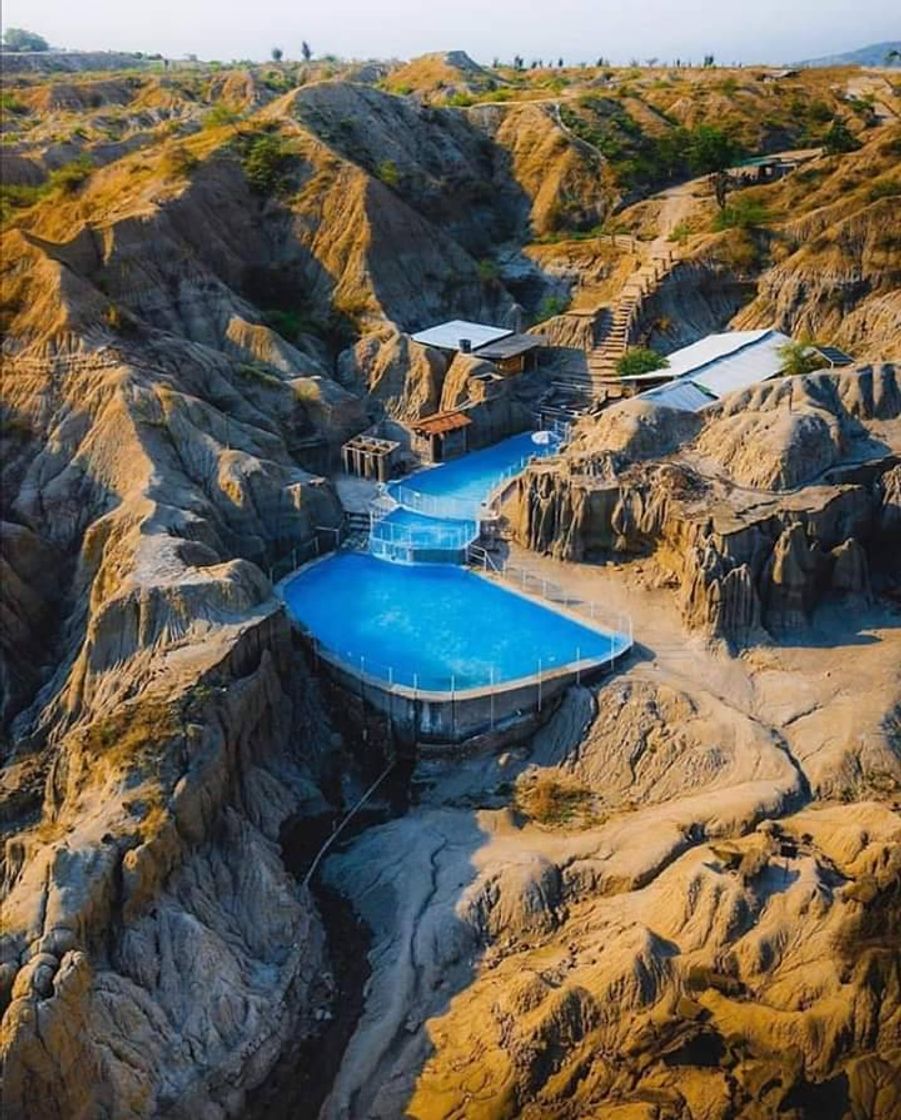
(436, 627)
(457, 489)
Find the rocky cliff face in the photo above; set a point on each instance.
(158, 723)
(192, 323)
(755, 509)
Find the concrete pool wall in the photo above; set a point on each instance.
(434, 716)
(435, 632)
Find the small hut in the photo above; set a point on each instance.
(441, 436)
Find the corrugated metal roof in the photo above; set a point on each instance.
(717, 365)
(447, 336)
(690, 359)
(683, 395)
(754, 362)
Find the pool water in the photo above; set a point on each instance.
(404, 526)
(457, 489)
(435, 626)
(439, 627)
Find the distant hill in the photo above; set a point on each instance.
(873, 55)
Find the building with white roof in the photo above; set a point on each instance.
(509, 350)
(716, 365)
(461, 335)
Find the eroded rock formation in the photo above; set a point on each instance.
(756, 508)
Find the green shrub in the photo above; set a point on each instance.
(552, 798)
(219, 116)
(885, 188)
(640, 359)
(741, 213)
(839, 139)
(551, 306)
(14, 197)
(680, 233)
(178, 161)
(11, 104)
(798, 358)
(488, 270)
(388, 173)
(264, 163)
(70, 176)
(289, 324)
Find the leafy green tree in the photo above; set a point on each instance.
(18, 39)
(711, 151)
(640, 359)
(264, 162)
(306, 50)
(798, 358)
(839, 138)
(277, 54)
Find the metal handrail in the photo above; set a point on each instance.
(611, 621)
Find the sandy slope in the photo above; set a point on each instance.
(519, 969)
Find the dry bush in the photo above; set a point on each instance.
(552, 798)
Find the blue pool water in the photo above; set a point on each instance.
(457, 489)
(420, 532)
(423, 625)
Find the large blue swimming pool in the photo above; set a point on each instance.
(435, 626)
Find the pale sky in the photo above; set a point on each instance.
(733, 30)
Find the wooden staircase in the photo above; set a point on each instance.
(627, 312)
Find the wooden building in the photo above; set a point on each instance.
(514, 354)
(441, 436)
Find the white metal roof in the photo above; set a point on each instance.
(447, 336)
(683, 394)
(717, 365)
(756, 361)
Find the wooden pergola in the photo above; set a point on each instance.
(369, 457)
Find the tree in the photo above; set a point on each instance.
(306, 50)
(839, 138)
(893, 57)
(264, 162)
(798, 358)
(640, 359)
(277, 53)
(18, 39)
(712, 152)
